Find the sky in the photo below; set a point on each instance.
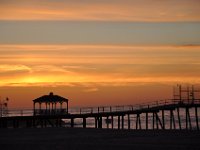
(97, 52)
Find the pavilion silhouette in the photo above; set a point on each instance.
(50, 101)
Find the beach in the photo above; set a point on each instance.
(97, 139)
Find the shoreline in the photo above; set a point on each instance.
(98, 139)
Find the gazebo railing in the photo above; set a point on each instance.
(50, 112)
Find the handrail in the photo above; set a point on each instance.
(106, 109)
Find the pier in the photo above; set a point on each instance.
(154, 115)
(156, 110)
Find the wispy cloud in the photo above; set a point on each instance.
(112, 10)
(57, 65)
(13, 68)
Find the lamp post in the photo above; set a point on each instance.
(3, 106)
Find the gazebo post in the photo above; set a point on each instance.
(49, 108)
(55, 108)
(34, 108)
(46, 108)
(67, 106)
(40, 107)
(60, 105)
(52, 108)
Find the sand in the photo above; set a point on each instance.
(97, 139)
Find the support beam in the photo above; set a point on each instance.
(147, 119)
(129, 122)
(107, 122)
(156, 115)
(112, 122)
(84, 122)
(100, 122)
(34, 112)
(163, 119)
(153, 120)
(118, 122)
(159, 122)
(196, 116)
(188, 120)
(122, 121)
(138, 122)
(179, 119)
(67, 107)
(172, 120)
(96, 122)
(72, 122)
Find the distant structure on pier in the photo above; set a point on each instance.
(4, 107)
(47, 105)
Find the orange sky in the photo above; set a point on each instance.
(97, 52)
(112, 10)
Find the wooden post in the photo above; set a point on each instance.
(140, 122)
(129, 122)
(163, 119)
(34, 109)
(112, 122)
(84, 122)
(100, 122)
(172, 120)
(186, 118)
(72, 122)
(196, 114)
(118, 122)
(156, 115)
(136, 123)
(159, 122)
(153, 121)
(188, 121)
(179, 119)
(67, 107)
(96, 122)
(122, 121)
(107, 122)
(147, 120)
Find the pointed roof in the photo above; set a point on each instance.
(50, 98)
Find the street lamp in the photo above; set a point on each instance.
(3, 107)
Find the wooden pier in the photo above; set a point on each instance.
(155, 117)
(147, 116)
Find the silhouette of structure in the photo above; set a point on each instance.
(155, 113)
(4, 107)
(50, 101)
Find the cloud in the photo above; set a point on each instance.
(8, 68)
(112, 10)
(109, 64)
(94, 89)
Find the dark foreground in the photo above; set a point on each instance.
(97, 139)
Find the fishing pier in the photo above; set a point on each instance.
(147, 116)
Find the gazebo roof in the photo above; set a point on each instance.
(51, 98)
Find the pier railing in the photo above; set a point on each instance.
(107, 109)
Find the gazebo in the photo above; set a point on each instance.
(47, 105)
